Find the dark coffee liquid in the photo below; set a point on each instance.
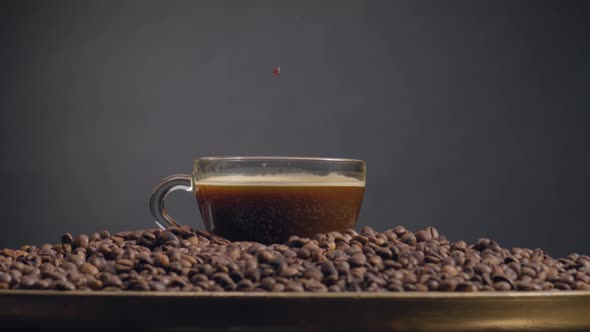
(270, 213)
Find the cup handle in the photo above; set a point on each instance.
(168, 185)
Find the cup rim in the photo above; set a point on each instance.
(285, 158)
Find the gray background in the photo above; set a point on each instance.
(472, 116)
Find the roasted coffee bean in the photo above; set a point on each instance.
(482, 269)
(88, 268)
(124, 265)
(423, 235)
(245, 285)
(266, 256)
(77, 259)
(67, 238)
(409, 238)
(94, 284)
(42, 284)
(357, 259)
(288, 272)
(81, 241)
(447, 285)
(5, 278)
(399, 230)
(64, 285)
(582, 285)
(466, 287)
(168, 238)
(277, 288)
(161, 260)
(294, 288)
(180, 259)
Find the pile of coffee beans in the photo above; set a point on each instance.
(182, 259)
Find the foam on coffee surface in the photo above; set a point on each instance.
(291, 179)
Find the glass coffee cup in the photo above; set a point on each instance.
(268, 199)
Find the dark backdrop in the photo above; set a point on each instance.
(472, 116)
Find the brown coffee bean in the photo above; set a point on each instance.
(449, 270)
(27, 282)
(147, 239)
(433, 284)
(409, 238)
(267, 283)
(447, 285)
(5, 278)
(161, 260)
(180, 259)
(116, 253)
(77, 259)
(421, 288)
(296, 242)
(459, 246)
(63, 285)
(67, 238)
(278, 288)
(110, 280)
(139, 285)
(42, 284)
(465, 287)
(562, 286)
(292, 287)
(94, 284)
(482, 269)
(423, 235)
(124, 265)
(288, 272)
(582, 285)
(81, 241)
(224, 280)
(175, 267)
(482, 244)
(266, 257)
(399, 231)
(157, 286)
(88, 268)
(245, 285)
(501, 277)
(357, 259)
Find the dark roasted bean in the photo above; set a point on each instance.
(423, 235)
(357, 259)
(77, 259)
(465, 287)
(67, 238)
(277, 288)
(409, 238)
(81, 241)
(124, 265)
(94, 284)
(161, 260)
(64, 285)
(447, 285)
(42, 283)
(181, 259)
(294, 288)
(88, 268)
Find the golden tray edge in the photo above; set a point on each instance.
(238, 311)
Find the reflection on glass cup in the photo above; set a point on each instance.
(268, 199)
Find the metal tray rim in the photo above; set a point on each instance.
(362, 295)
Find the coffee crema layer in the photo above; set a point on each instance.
(290, 179)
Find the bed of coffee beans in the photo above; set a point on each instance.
(182, 259)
